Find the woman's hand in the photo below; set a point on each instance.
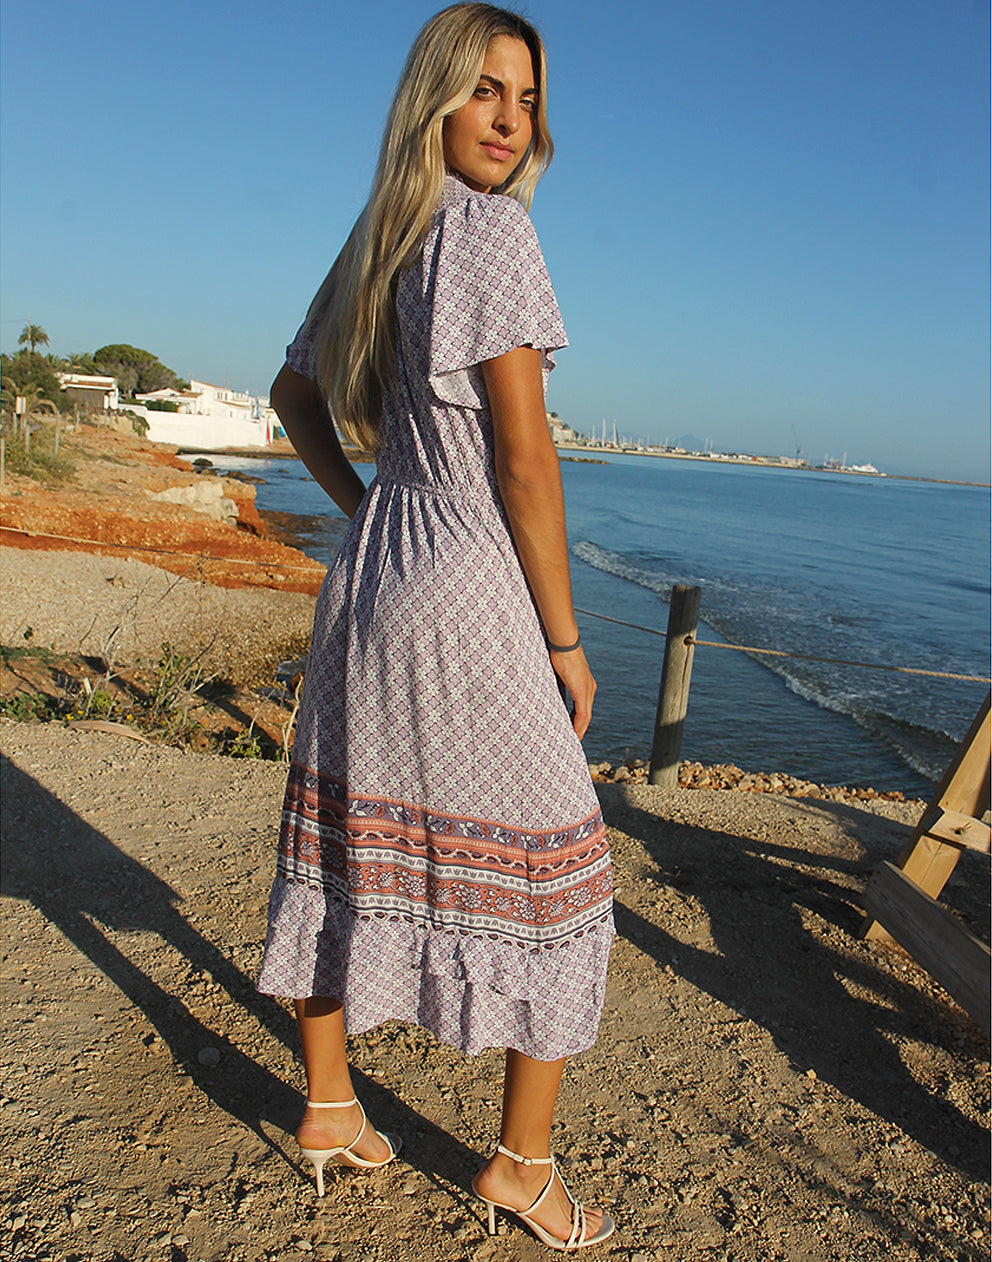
(573, 671)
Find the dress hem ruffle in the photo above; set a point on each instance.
(470, 991)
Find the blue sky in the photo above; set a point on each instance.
(760, 216)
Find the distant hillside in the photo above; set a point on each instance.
(690, 442)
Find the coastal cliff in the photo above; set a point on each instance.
(123, 496)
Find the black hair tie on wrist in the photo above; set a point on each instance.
(564, 648)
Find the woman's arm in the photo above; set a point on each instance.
(303, 412)
(529, 478)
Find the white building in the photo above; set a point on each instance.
(95, 393)
(208, 418)
(560, 432)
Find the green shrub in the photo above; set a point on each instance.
(38, 461)
(29, 708)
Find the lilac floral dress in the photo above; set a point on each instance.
(442, 857)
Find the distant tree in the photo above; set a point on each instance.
(35, 402)
(137, 371)
(33, 335)
(81, 362)
(155, 376)
(127, 377)
(25, 372)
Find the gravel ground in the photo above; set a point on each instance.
(124, 610)
(765, 1087)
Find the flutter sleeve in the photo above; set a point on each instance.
(491, 294)
(301, 353)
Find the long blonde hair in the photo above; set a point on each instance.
(355, 307)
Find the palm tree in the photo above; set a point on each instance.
(34, 335)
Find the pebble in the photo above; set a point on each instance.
(694, 775)
(85, 1202)
(208, 1056)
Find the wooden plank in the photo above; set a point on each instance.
(673, 692)
(928, 861)
(953, 956)
(959, 830)
(965, 788)
(928, 864)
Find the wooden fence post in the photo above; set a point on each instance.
(673, 695)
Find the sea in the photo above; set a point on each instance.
(884, 571)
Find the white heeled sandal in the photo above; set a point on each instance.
(343, 1154)
(578, 1239)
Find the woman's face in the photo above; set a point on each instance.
(487, 137)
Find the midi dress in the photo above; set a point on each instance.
(442, 857)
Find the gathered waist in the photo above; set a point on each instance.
(474, 495)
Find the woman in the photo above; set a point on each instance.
(442, 858)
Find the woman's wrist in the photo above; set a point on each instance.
(563, 648)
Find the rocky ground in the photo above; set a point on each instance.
(128, 497)
(765, 1086)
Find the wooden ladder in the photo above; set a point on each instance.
(901, 897)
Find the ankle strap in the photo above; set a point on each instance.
(334, 1104)
(525, 1161)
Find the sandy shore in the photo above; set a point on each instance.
(765, 1086)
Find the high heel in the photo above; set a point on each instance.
(577, 1237)
(343, 1154)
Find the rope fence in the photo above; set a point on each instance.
(589, 613)
(168, 552)
(802, 657)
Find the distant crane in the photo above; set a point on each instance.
(799, 450)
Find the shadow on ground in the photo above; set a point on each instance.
(90, 889)
(769, 965)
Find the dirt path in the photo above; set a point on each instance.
(765, 1086)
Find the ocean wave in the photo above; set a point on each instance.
(926, 750)
(806, 619)
(623, 567)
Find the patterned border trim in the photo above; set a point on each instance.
(323, 795)
(380, 857)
